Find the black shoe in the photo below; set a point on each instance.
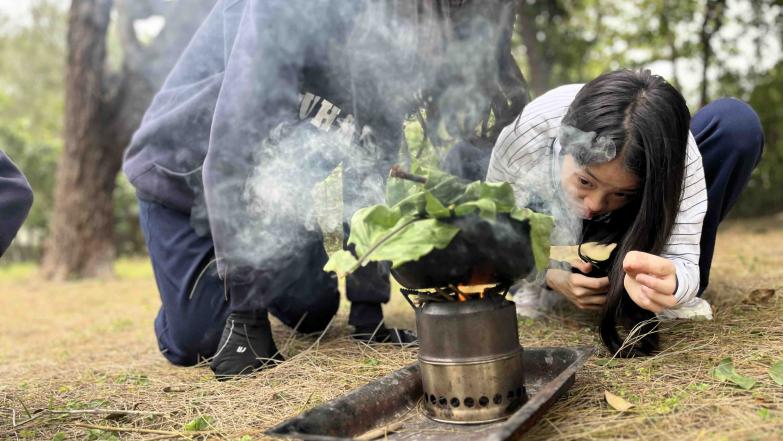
(382, 334)
(245, 346)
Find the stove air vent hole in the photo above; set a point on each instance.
(455, 402)
(469, 402)
(483, 401)
(497, 399)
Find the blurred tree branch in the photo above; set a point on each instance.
(711, 24)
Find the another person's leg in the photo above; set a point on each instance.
(730, 139)
(468, 161)
(297, 291)
(368, 288)
(193, 304)
(310, 298)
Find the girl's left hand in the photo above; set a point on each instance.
(650, 280)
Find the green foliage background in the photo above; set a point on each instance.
(572, 41)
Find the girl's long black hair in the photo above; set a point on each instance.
(648, 121)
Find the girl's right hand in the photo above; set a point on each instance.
(583, 291)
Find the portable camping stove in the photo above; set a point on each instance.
(469, 353)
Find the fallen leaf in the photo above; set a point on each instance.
(198, 424)
(116, 416)
(776, 372)
(593, 250)
(607, 362)
(761, 295)
(725, 372)
(762, 398)
(177, 388)
(617, 402)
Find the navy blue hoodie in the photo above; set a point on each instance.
(258, 70)
(16, 198)
(270, 96)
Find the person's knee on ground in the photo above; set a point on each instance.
(189, 329)
(193, 306)
(186, 343)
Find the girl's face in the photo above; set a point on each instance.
(599, 188)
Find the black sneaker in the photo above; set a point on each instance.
(382, 334)
(245, 346)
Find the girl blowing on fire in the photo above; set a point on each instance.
(620, 160)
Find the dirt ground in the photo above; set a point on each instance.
(70, 351)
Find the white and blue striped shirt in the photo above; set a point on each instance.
(524, 156)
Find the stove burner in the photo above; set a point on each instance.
(454, 293)
(469, 353)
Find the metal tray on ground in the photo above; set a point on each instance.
(391, 406)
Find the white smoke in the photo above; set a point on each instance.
(337, 81)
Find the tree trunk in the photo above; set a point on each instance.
(713, 20)
(538, 61)
(102, 111)
(81, 240)
(671, 39)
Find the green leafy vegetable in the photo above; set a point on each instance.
(540, 229)
(381, 233)
(434, 207)
(485, 207)
(368, 225)
(725, 372)
(412, 223)
(414, 239)
(447, 188)
(500, 193)
(776, 373)
(341, 262)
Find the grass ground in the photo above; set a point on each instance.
(80, 347)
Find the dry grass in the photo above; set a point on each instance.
(89, 345)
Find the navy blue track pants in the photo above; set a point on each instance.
(194, 304)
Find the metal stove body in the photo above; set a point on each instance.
(470, 359)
